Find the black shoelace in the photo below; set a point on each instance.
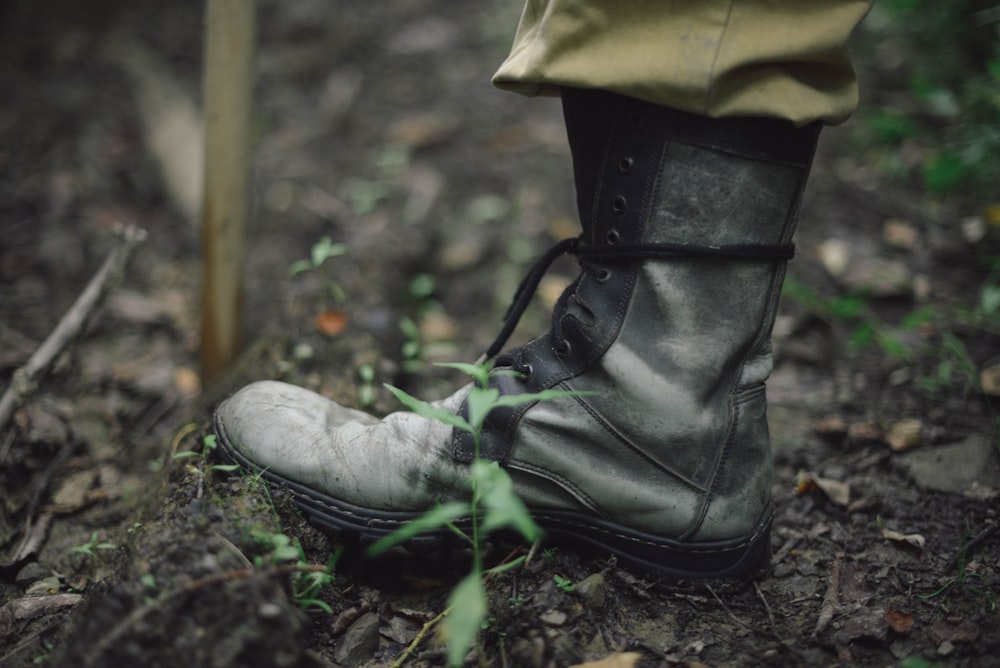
(590, 256)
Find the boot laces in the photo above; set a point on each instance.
(592, 258)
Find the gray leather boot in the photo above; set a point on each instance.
(687, 226)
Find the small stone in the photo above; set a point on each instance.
(989, 380)
(905, 435)
(900, 234)
(268, 610)
(554, 617)
(835, 255)
(593, 591)
(359, 643)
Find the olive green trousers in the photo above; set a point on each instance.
(783, 58)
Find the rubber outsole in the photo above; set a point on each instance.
(670, 560)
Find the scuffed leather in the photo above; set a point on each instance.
(675, 442)
(398, 463)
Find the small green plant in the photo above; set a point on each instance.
(91, 545)
(918, 662)
(854, 311)
(412, 347)
(321, 251)
(307, 581)
(961, 581)
(44, 657)
(563, 584)
(209, 444)
(493, 505)
(366, 391)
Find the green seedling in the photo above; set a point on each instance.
(307, 581)
(563, 584)
(208, 445)
(493, 505)
(91, 545)
(412, 348)
(962, 581)
(321, 251)
(366, 391)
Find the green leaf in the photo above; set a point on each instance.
(989, 299)
(503, 507)
(506, 566)
(422, 286)
(892, 127)
(945, 172)
(846, 307)
(186, 453)
(861, 336)
(430, 411)
(298, 267)
(324, 249)
(437, 517)
(210, 442)
(480, 402)
(479, 372)
(468, 610)
(913, 320)
(892, 346)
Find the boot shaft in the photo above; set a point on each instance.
(687, 223)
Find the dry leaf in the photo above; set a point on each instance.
(74, 493)
(187, 382)
(905, 435)
(616, 660)
(914, 539)
(836, 491)
(901, 622)
(989, 380)
(331, 323)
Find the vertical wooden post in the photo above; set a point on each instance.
(230, 40)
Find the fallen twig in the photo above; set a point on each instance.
(763, 600)
(71, 324)
(30, 607)
(732, 615)
(831, 600)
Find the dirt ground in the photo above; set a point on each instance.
(376, 126)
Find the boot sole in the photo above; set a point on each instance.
(743, 558)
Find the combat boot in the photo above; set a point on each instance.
(665, 461)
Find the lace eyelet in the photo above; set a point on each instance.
(613, 237)
(526, 371)
(562, 348)
(619, 204)
(626, 164)
(602, 275)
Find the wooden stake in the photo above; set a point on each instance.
(230, 40)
